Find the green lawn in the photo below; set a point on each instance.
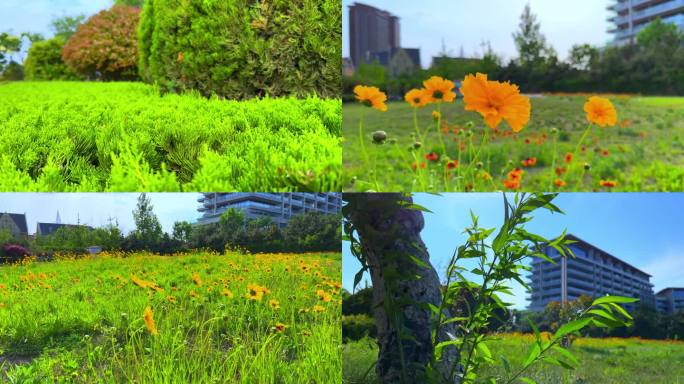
(643, 152)
(92, 136)
(603, 361)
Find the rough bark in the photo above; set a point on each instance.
(389, 233)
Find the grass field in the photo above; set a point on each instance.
(79, 136)
(603, 361)
(268, 318)
(643, 152)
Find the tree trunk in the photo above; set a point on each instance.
(389, 233)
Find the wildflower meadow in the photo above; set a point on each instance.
(485, 135)
(604, 360)
(199, 317)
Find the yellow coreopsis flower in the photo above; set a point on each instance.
(149, 321)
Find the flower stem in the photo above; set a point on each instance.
(553, 162)
(439, 128)
(579, 144)
(364, 154)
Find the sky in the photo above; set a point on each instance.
(35, 16)
(465, 23)
(95, 209)
(643, 229)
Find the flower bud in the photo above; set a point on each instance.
(587, 166)
(379, 137)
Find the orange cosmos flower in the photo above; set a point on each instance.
(371, 97)
(600, 111)
(608, 183)
(452, 164)
(432, 156)
(561, 170)
(568, 157)
(496, 101)
(529, 162)
(560, 183)
(149, 321)
(417, 98)
(439, 89)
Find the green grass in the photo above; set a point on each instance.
(603, 361)
(645, 151)
(79, 136)
(81, 320)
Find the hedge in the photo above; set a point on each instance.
(243, 48)
(44, 62)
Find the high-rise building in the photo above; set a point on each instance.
(592, 272)
(631, 16)
(371, 30)
(280, 207)
(670, 300)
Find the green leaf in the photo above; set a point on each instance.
(358, 277)
(534, 353)
(566, 354)
(419, 262)
(602, 313)
(527, 380)
(620, 309)
(570, 327)
(613, 299)
(535, 329)
(506, 365)
(484, 350)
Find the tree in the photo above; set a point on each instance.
(529, 40)
(9, 45)
(130, 3)
(385, 235)
(44, 62)
(148, 230)
(65, 27)
(232, 227)
(582, 56)
(313, 232)
(106, 46)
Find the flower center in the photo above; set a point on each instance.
(367, 103)
(437, 94)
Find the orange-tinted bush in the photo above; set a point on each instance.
(106, 45)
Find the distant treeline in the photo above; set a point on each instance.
(653, 64)
(308, 232)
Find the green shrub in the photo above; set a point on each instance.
(106, 45)
(356, 327)
(243, 48)
(126, 137)
(44, 62)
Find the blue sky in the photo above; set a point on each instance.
(94, 209)
(466, 23)
(36, 15)
(643, 229)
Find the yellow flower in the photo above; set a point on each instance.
(317, 308)
(171, 299)
(227, 293)
(196, 278)
(417, 98)
(600, 111)
(496, 101)
(254, 292)
(194, 294)
(438, 89)
(323, 295)
(149, 321)
(371, 97)
(275, 305)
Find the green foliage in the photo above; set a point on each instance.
(125, 137)
(148, 230)
(44, 62)
(105, 46)
(65, 27)
(9, 44)
(242, 49)
(357, 327)
(312, 231)
(498, 258)
(360, 303)
(12, 72)
(130, 3)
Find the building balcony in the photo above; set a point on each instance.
(664, 9)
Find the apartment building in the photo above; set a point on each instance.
(280, 207)
(629, 17)
(371, 30)
(591, 272)
(670, 300)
